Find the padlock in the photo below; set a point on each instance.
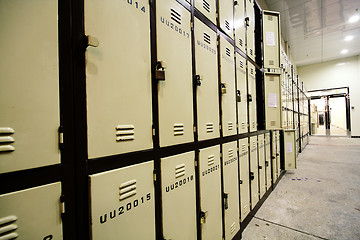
(223, 88)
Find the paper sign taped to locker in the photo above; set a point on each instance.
(289, 147)
(270, 39)
(272, 100)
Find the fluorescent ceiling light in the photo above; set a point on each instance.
(349, 38)
(344, 51)
(354, 18)
(340, 64)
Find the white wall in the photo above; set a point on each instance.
(338, 73)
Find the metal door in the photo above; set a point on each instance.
(250, 30)
(29, 86)
(206, 81)
(241, 94)
(254, 171)
(239, 24)
(227, 78)
(178, 196)
(231, 189)
(174, 60)
(278, 169)
(273, 157)
(252, 97)
(121, 201)
(262, 166)
(271, 38)
(207, 8)
(273, 102)
(244, 178)
(268, 160)
(33, 213)
(119, 118)
(290, 151)
(226, 12)
(210, 193)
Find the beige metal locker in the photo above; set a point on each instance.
(244, 178)
(207, 81)
(175, 91)
(252, 97)
(271, 38)
(273, 157)
(207, 8)
(210, 193)
(119, 118)
(278, 169)
(178, 196)
(121, 201)
(273, 101)
(241, 94)
(254, 171)
(262, 165)
(239, 24)
(231, 189)
(228, 95)
(29, 85)
(250, 29)
(33, 213)
(268, 160)
(226, 12)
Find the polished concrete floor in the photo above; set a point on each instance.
(319, 200)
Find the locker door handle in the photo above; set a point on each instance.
(160, 71)
(223, 88)
(260, 167)
(238, 96)
(236, 3)
(247, 21)
(92, 41)
(273, 157)
(252, 177)
(198, 80)
(226, 203)
(203, 216)
(266, 163)
(249, 98)
(241, 181)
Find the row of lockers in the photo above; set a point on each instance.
(123, 199)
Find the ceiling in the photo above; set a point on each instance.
(316, 30)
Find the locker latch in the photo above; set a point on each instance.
(236, 3)
(223, 88)
(247, 20)
(203, 216)
(241, 181)
(249, 98)
(266, 163)
(92, 41)
(160, 71)
(252, 177)
(260, 167)
(226, 203)
(238, 96)
(198, 79)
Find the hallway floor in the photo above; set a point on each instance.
(319, 200)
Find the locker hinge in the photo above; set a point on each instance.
(194, 128)
(62, 205)
(61, 137)
(154, 176)
(195, 163)
(191, 25)
(153, 131)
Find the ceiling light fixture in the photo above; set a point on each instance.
(354, 18)
(344, 51)
(340, 64)
(349, 38)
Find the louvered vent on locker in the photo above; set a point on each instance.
(233, 228)
(254, 144)
(228, 52)
(227, 25)
(175, 16)
(180, 170)
(243, 125)
(270, 18)
(253, 124)
(230, 126)
(271, 62)
(252, 71)
(243, 148)
(251, 51)
(8, 227)
(127, 189)
(209, 127)
(241, 64)
(231, 153)
(271, 78)
(211, 160)
(241, 42)
(272, 123)
(207, 38)
(125, 133)
(178, 129)
(206, 5)
(6, 140)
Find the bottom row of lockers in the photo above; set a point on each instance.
(123, 203)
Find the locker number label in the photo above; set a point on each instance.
(210, 170)
(136, 5)
(179, 183)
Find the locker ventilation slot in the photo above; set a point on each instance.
(272, 123)
(209, 127)
(206, 5)
(175, 16)
(125, 133)
(230, 126)
(8, 227)
(251, 71)
(233, 228)
(241, 64)
(243, 148)
(251, 52)
(228, 52)
(6, 140)
(243, 125)
(180, 170)
(207, 38)
(271, 78)
(241, 42)
(270, 18)
(211, 160)
(271, 62)
(253, 124)
(254, 144)
(227, 25)
(231, 153)
(178, 129)
(127, 189)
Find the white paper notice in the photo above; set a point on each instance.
(270, 39)
(289, 147)
(272, 100)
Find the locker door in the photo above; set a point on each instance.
(262, 166)
(121, 201)
(119, 118)
(226, 12)
(241, 94)
(252, 97)
(271, 39)
(239, 24)
(210, 193)
(273, 157)
(278, 169)
(290, 151)
(272, 101)
(244, 178)
(178, 196)
(254, 171)
(228, 97)
(207, 8)
(250, 30)
(268, 160)
(32, 213)
(175, 92)
(29, 86)
(207, 82)
(231, 189)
